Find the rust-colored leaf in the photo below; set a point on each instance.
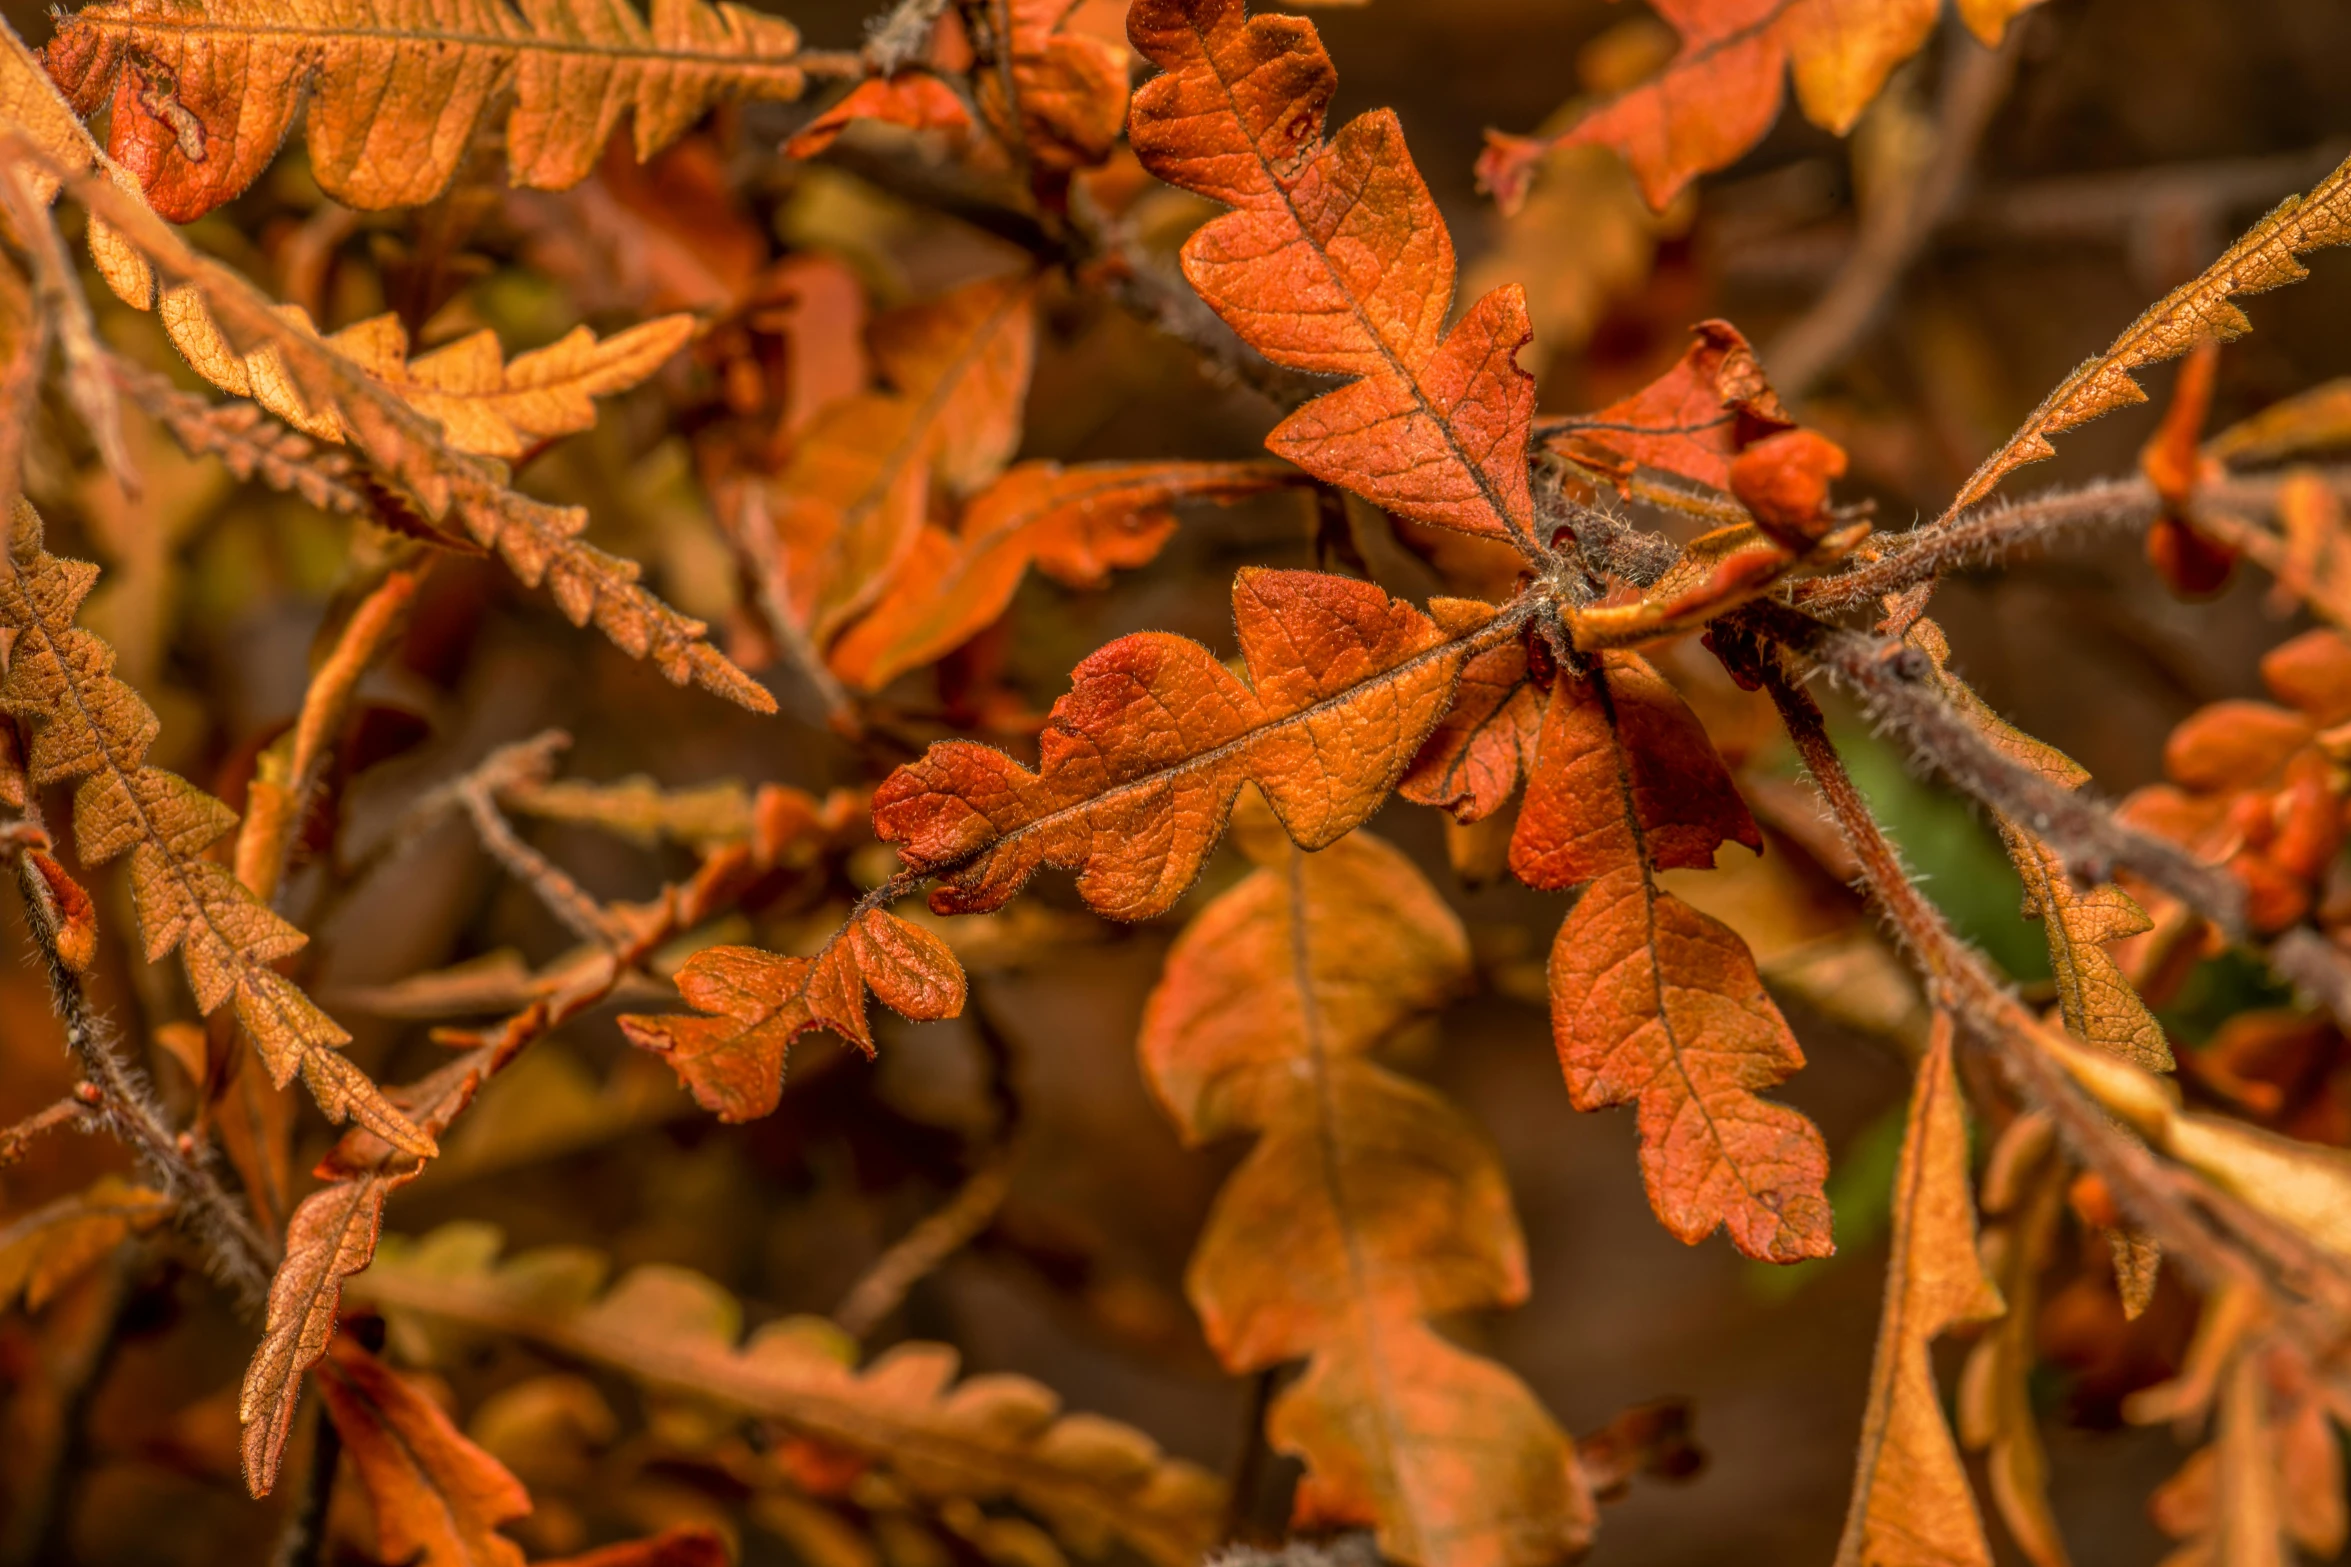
(1483, 750)
(438, 1499)
(47, 1249)
(848, 509)
(1653, 1002)
(1074, 524)
(1367, 1206)
(1142, 759)
(917, 100)
(1337, 261)
(1067, 90)
(390, 91)
(734, 1061)
(1911, 1503)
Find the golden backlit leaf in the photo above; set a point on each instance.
(390, 92)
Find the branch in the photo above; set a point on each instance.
(920, 1250)
(1896, 228)
(127, 1107)
(1890, 678)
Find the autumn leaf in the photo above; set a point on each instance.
(487, 403)
(45, 1250)
(1483, 750)
(1715, 574)
(1142, 759)
(1074, 524)
(1691, 421)
(1653, 1002)
(734, 1062)
(391, 91)
(1059, 95)
(2203, 309)
(1911, 1504)
(438, 1499)
(1718, 96)
(1337, 261)
(1091, 1480)
(2024, 1194)
(917, 100)
(849, 507)
(1367, 1206)
(86, 725)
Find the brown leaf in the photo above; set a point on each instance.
(45, 1250)
(438, 1499)
(1092, 1481)
(1653, 1002)
(734, 1062)
(1367, 1206)
(1911, 1504)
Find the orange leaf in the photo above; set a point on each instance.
(734, 1062)
(438, 1498)
(1483, 749)
(76, 917)
(1717, 573)
(1690, 421)
(1653, 1002)
(204, 91)
(1718, 96)
(1368, 1205)
(848, 508)
(1074, 523)
(1142, 759)
(1337, 261)
(915, 99)
(687, 1545)
(1068, 90)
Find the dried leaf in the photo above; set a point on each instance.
(1995, 1403)
(1653, 1002)
(849, 508)
(45, 1250)
(1483, 750)
(2199, 310)
(734, 1062)
(1367, 1206)
(1718, 96)
(1068, 90)
(993, 1437)
(83, 724)
(1142, 759)
(1074, 524)
(204, 91)
(438, 1499)
(917, 100)
(1911, 1505)
(1338, 262)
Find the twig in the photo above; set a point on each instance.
(1895, 229)
(922, 1249)
(61, 301)
(127, 1107)
(14, 1140)
(755, 540)
(1989, 1014)
(302, 1541)
(1890, 678)
(477, 791)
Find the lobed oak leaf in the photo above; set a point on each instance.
(1074, 524)
(734, 1062)
(1652, 1001)
(438, 1499)
(1716, 98)
(917, 100)
(1911, 1504)
(1141, 760)
(1367, 1206)
(849, 507)
(392, 91)
(1338, 262)
(989, 1438)
(1692, 420)
(43, 1251)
